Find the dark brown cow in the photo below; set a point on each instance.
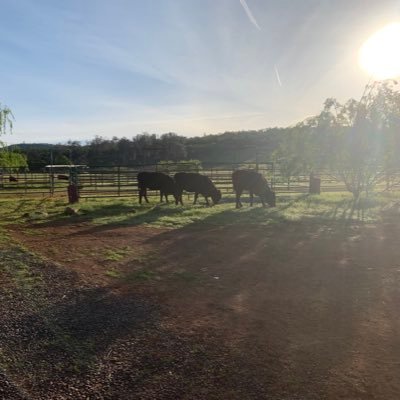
(156, 181)
(197, 183)
(12, 179)
(255, 183)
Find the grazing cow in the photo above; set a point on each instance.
(63, 177)
(12, 179)
(156, 181)
(197, 183)
(255, 183)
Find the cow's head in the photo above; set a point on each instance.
(216, 196)
(269, 197)
(177, 193)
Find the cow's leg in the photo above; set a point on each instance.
(166, 198)
(251, 199)
(145, 195)
(238, 202)
(196, 195)
(161, 196)
(207, 202)
(140, 196)
(180, 198)
(262, 200)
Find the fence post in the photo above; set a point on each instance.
(119, 180)
(51, 182)
(315, 185)
(256, 161)
(73, 193)
(273, 175)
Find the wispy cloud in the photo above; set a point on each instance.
(133, 67)
(249, 14)
(278, 78)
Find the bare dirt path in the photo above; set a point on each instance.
(301, 311)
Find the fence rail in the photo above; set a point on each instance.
(121, 181)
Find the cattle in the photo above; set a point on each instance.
(156, 181)
(255, 183)
(63, 177)
(197, 183)
(12, 179)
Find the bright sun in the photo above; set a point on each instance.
(380, 54)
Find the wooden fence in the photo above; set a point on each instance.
(121, 181)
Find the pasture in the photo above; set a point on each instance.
(128, 301)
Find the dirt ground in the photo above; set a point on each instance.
(289, 312)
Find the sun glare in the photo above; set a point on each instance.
(379, 56)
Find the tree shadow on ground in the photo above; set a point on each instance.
(132, 216)
(106, 211)
(296, 292)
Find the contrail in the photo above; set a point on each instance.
(249, 14)
(277, 75)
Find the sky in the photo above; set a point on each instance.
(73, 69)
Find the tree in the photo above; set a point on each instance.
(9, 158)
(293, 154)
(6, 120)
(12, 159)
(172, 147)
(355, 139)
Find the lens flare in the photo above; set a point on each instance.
(379, 56)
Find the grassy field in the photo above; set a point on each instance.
(336, 207)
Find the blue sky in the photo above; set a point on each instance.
(75, 69)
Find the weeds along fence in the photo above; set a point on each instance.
(121, 181)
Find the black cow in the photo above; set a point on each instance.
(255, 183)
(156, 181)
(197, 183)
(12, 178)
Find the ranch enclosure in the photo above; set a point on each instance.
(180, 220)
(121, 181)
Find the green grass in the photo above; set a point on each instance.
(116, 254)
(112, 273)
(325, 207)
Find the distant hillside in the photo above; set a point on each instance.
(228, 147)
(25, 146)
